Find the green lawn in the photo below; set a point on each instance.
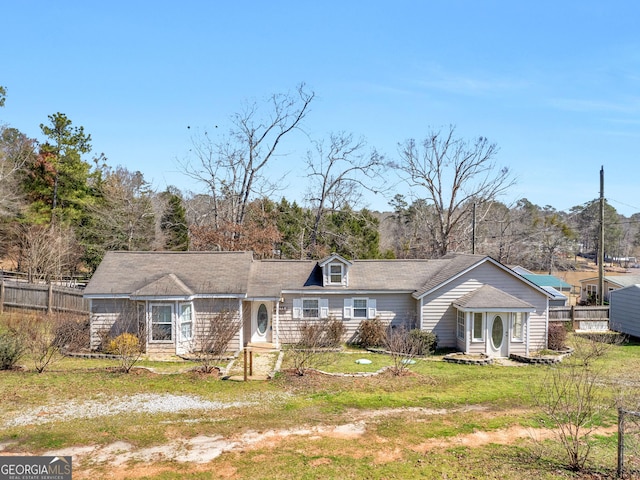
(437, 401)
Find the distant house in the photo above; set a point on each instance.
(589, 286)
(624, 310)
(556, 287)
(472, 303)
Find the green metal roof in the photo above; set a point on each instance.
(547, 281)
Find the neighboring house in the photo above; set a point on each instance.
(556, 287)
(624, 310)
(589, 286)
(472, 303)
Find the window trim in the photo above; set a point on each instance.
(330, 274)
(523, 321)
(460, 325)
(183, 338)
(317, 308)
(170, 323)
(481, 338)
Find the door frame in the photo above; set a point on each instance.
(256, 336)
(503, 349)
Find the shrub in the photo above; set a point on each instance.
(425, 342)
(334, 331)
(371, 333)
(556, 336)
(72, 334)
(11, 349)
(126, 347)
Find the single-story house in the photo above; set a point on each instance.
(624, 310)
(471, 302)
(589, 286)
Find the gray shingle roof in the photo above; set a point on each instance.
(488, 297)
(123, 273)
(236, 273)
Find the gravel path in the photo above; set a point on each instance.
(142, 403)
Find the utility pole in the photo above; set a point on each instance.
(473, 230)
(601, 242)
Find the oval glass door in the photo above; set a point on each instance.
(262, 319)
(497, 332)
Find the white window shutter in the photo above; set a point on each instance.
(371, 305)
(348, 308)
(324, 308)
(297, 308)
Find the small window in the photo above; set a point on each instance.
(186, 321)
(310, 308)
(460, 325)
(335, 273)
(478, 327)
(359, 308)
(161, 323)
(517, 329)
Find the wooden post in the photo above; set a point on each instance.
(621, 413)
(245, 364)
(2, 295)
(251, 362)
(50, 300)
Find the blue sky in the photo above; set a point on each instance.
(555, 84)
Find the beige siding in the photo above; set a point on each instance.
(216, 310)
(390, 308)
(111, 317)
(439, 315)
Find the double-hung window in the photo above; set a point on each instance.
(359, 308)
(186, 321)
(161, 324)
(310, 308)
(460, 325)
(335, 273)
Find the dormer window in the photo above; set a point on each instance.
(336, 272)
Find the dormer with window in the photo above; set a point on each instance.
(335, 271)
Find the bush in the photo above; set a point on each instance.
(371, 333)
(11, 349)
(334, 331)
(72, 334)
(556, 336)
(126, 347)
(425, 342)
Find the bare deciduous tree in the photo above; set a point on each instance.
(453, 174)
(339, 171)
(16, 150)
(233, 168)
(46, 252)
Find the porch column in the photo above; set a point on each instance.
(277, 329)
(241, 332)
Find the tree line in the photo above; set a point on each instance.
(63, 206)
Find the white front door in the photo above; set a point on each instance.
(499, 335)
(261, 322)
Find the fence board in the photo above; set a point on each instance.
(50, 298)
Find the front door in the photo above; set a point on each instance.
(499, 336)
(261, 322)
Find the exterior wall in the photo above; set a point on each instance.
(390, 308)
(209, 310)
(625, 310)
(111, 317)
(439, 315)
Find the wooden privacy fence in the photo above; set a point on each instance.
(583, 318)
(46, 297)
